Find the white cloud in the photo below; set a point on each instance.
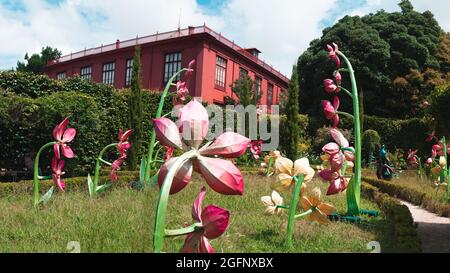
(280, 29)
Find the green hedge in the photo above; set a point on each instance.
(439, 103)
(411, 195)
(403, 229)
(33, 104)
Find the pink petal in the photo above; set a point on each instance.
(196, 243)
(60, 128)
(57, 179)
(336, 162)
(335, 120)
(349, 156)
(221, 175)
(336, 102)
(67, 151)
(124, 137)
(337, 61)
(339, 138)
(228, 145)
(214, 221)
(167, 132)
(193, 123)
(328, 109)
(337, 77)
(182, 177)
(331, 148)
(326, 175)
(56, 150)
(335, 187)
(69, 134)
(60, 166)
(197, 205)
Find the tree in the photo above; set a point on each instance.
(382, 47)
(292, 111)
(244, 90)
(135, 110)
(37, 62)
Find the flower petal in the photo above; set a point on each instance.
(221, 175)
(276, 198)
(339, 138)
(331, 148)
(69, 135)
(228, 144)
(267, 201)
(301, 166)
(335, 186)
(67, 151)
(214, 221)
(167, 132)
(197, 205)
(284, 165)
(60, 128)
(182, 177)
(306, 204)
(193, 122)
(283, 182)
(56, 150)
(326, 208)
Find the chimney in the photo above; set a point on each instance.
(191, 30)
(117, 43)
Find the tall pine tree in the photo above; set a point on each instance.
(135, 110)
(292, 112)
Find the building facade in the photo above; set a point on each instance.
(219, 62)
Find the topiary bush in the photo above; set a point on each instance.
(370, 144)
(439, 102)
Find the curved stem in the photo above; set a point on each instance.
(345, 114)
(292, 207)
(346, 91)
(183, 231)
(36, 173)
(354, 191)
(269, 166)
(105, 162)
(158, 115)
(303, 214)
(97, 166)
(159, 231)
(282, 207)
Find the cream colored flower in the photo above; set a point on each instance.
(436, 171)
(287, 169)
(272, 203)
(320, 210)
(442, 161)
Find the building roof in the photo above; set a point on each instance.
(166, 36)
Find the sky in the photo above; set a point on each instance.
(281, 29)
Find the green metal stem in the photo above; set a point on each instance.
(105, 162)
(269, 166)
(303, 214)
(345, 114)
(354, 191)
(346, 91)
(183, 231)
(97, 166)
(159, 231)
(36, 173)
(292, 207)
(153, 135)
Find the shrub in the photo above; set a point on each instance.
(439, 102)
(284, 130)
(402, 226)
(370, 144)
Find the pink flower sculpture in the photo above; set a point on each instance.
(214, 222)
(411, 157)
(169, 153)
(333, 55)
(430, 137)
(57, 168)
(338, 152)
(181, 85)
(122, 147)
(331, 110)
(330, 86)
(440, 150)
(255, 148)
(220, 174)
(62, 137)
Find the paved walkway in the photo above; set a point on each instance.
(434, 230)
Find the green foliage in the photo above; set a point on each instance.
(31, 108)
(439, 109)
(300, 135)
(37, 62)
(244, 89)
(370, 143)
(382, 47)
(292, 130)
(135, 111)
(402, 228)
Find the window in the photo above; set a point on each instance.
(61, 76)
(242, 73)
(128, 72)
(172, 64)
(221, 68)
(258, 84)
(86, 73)
(108, 73)
(269, 94)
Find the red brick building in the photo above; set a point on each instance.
(219, 62)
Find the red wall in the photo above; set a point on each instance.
(202, 48)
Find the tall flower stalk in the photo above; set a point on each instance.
(148, 162)
(440, 169)
(354, 186)
(60, 146)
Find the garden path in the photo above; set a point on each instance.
(434, 230)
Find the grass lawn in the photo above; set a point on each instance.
(122, 221)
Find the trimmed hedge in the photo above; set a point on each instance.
(32, 105)
(403, 228)
(411, 195)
